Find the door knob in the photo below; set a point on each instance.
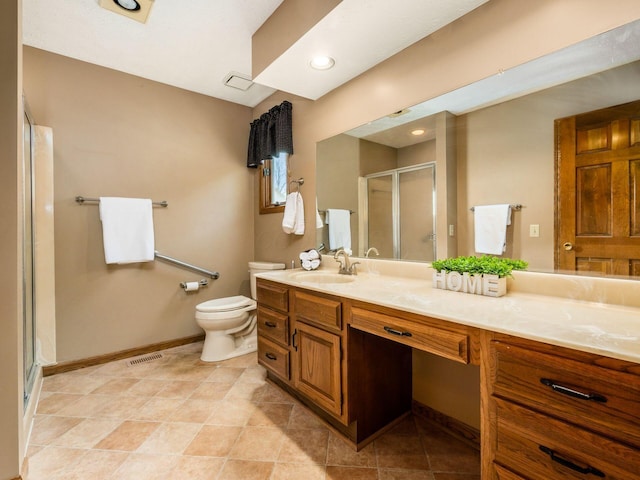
(568, 246)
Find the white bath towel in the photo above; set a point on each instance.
(491, 228)
(339, 222)
(127, 229)
(293, 219)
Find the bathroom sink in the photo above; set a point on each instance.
(323, 278)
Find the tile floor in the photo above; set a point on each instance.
(179, 418)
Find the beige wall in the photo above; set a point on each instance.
(419, 153)
(11, 437)
(466, 51)
(120, 135)
(340, 177)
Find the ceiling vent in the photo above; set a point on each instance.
(135, 9)
(238, 80)
(399, 113)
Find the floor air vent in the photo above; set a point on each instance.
(144, 359)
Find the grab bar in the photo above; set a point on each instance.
(213, 275)
(80, 199)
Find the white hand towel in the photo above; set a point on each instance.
(293, 219)
(319, 222)
(339, 222)
(289, 218)
(127, 229)
(299, 225)
(491, 228)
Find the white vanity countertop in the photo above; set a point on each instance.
(604, 329)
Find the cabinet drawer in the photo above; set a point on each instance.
(274, 296)
(273, 325)
(273, 357)
(504, 474)
(594, 397)
(542, 448)
(452, 345)
(320, 311)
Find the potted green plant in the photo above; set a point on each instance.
(486, 275)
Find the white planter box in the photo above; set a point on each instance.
(489, 285)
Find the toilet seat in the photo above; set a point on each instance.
(226, 304)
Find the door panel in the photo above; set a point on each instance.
(598, 204)
(317, 373)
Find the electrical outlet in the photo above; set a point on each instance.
(534, 230)
(452, 230)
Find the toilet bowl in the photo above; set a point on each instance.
(230, 323)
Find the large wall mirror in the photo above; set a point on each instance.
(503, 150)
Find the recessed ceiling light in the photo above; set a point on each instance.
(322, 62)
(134, 9)
(417, 131)
(131, 5)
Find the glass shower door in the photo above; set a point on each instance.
(29, 333)
(401, 213)
(380, 216)
(416, 189)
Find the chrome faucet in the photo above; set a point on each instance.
(347, 267)
(370, 251)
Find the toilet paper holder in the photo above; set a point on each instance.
(189, 286)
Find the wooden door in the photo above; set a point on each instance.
(597, 191)
(317, 367)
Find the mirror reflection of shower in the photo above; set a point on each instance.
(399, 212)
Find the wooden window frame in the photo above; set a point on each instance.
(265, 204)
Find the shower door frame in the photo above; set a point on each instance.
(395, 206)
(28, 259)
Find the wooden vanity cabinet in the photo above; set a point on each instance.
(317, 342)
(360, 384)
(301, 340)
(556, 413)
(273, 329)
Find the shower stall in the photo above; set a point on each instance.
(399, 212)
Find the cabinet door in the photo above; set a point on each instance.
(317, 367)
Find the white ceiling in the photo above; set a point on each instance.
(194, 45)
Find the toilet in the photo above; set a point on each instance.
(230, 323)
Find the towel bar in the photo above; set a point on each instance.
(80, 199)
(180, 263)
(515, 206)
(324, 211)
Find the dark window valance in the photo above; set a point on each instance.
(270, 135)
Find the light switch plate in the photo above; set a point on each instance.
(534, 230)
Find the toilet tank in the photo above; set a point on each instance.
(259, 267)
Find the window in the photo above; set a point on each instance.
(273, 184)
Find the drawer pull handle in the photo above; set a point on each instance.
(393, 331)
(270, 356)
(270, 324)
(569, 464)
(594, 397)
